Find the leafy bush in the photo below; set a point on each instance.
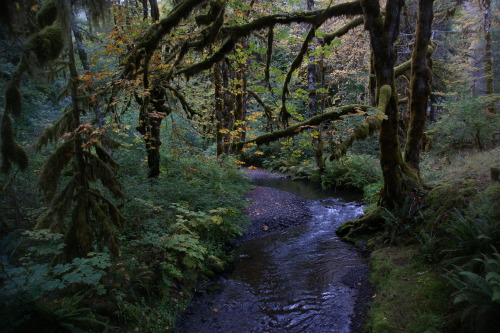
(353, 172)
(28, 282)
(466, 124)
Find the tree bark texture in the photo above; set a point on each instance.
(152, 113)
(219, 113)
(488, 56)
(420, 85)
(384, 31)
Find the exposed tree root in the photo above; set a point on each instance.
(366, 224)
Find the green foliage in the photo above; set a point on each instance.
(401, 222)
(479, 294)
(474, 231)
(29, 281)
(467, 123)
(352, 172)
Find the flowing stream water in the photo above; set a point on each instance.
(304, 279)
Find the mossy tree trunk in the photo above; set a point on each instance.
(153, 111)
(399, 179)
(312, 75)
(488, 56)
(420, 84)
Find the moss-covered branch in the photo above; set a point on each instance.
(315, 17)
(328, 38)
(368, 128)
(384, 97)
(154, 35)
(310, 123)
(208, 63)
(404, 67)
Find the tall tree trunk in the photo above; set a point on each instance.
(79, 239)
(420, 84)
(239, 104)
(384, 31)
(228, 103)
(488, 58)
(219, 113)
(312, 74)
(152, 113)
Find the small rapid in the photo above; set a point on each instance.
(302, 280)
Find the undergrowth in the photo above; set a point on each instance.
(436, 268)
(179, 230)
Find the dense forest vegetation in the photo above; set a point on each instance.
(125, 125)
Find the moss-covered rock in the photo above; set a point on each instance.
(444, 198)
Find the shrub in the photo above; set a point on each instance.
(352, 172)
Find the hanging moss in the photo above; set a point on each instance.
(105, 157)
(49, 176)
(47, 13)
(47, 44)
(13, 103)
(98, 170)
(79, 240)
(103, 220)
(12, 152)
(54, 132)
(53, 218)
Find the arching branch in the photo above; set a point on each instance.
(314, 17)
(310, 123)
(327, 39)
(154, 35)
(208, 63)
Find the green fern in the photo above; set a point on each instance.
(479, 295)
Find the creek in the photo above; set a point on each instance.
(304, 279)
